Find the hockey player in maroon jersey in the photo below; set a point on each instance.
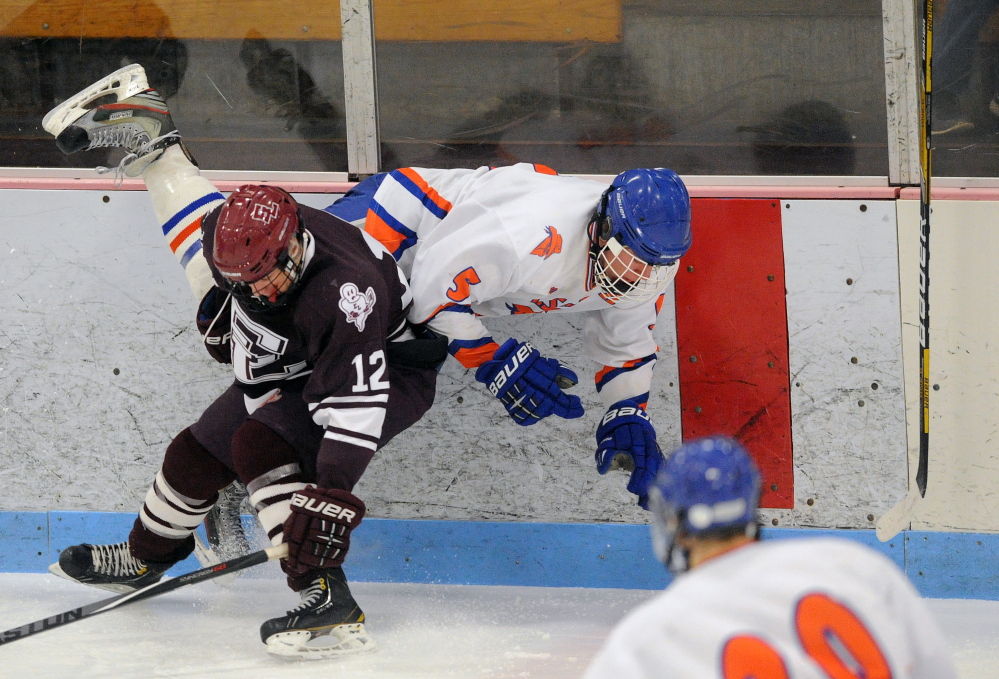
(311, 312)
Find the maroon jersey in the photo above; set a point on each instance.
(350, 302)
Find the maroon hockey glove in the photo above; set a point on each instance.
(317, 531)
(213, 324)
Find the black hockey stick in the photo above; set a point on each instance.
(148, 592)
(900, 516)
(926, 165)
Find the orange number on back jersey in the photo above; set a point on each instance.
(819, 620)
(462, 284)
(751, 658)
(830, 633)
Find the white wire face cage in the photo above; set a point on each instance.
(626, 280)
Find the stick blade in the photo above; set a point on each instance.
(898, 518)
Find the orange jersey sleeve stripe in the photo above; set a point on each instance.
(377, 228)
(431, 193)
(473, 358)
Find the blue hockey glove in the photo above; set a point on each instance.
(528, 385)
(626, 440)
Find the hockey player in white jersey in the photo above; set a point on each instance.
(740, 608)
(523, 240)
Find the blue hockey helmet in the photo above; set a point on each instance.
(707, 487)
(648, 211)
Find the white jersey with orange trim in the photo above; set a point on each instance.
(789, 609)
(510, 240)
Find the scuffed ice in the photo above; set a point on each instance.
(423, 632)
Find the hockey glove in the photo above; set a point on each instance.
(214, 324)
(528, 385)
(626, 440)
(317, 531)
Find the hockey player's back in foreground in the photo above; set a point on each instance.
(314, 309)
(739, 608)
(523, 240)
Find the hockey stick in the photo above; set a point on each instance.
(926, 165)
(148, 592)
(899, 516)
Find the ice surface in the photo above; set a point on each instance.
(439, 631)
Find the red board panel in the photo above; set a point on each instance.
(731, 320)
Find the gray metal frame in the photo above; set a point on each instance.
(360, 88)
(902, 90)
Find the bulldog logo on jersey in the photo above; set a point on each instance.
(551, 245)
(356, 306)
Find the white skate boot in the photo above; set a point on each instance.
(121, 111)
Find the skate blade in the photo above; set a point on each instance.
(308, 645)
(56, 569)
(207, 557)
(124, 83)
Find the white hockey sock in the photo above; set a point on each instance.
(270, 495)
(169, 514)
(181, 197)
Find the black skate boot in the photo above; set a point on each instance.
(327, 624)
(110, 567)
(227, 538)
(119, 111)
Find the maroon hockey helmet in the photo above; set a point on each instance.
(254, 235)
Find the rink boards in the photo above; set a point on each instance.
(790, 326)
(617, 556)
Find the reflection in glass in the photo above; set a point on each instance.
(965, 89)
(682, 84)
(249, 89)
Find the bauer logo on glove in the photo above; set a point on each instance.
(510, 368)
(625, 412)
(319, 507)
(528, 385)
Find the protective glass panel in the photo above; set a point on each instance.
(251, 85)
(774, 87)
(965, 85)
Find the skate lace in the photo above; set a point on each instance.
(126, 138)
(116, 560)
(310, 596)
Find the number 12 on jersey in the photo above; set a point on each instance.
(376, 383)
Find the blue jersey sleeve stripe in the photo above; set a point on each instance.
(397, 226)
(420, 195)
(611, 374)
(189, 208)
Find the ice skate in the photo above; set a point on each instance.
(118, 111)
(110, 567)
(226, 536)
(327, 624)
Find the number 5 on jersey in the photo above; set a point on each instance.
(463, 283)
(375, 382)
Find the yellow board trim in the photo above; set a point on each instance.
(395, 20)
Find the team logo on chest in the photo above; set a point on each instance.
(551, 245)
(355, 305)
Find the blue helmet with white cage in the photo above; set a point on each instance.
(642, 228)
(649, 212)
(707, 487)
